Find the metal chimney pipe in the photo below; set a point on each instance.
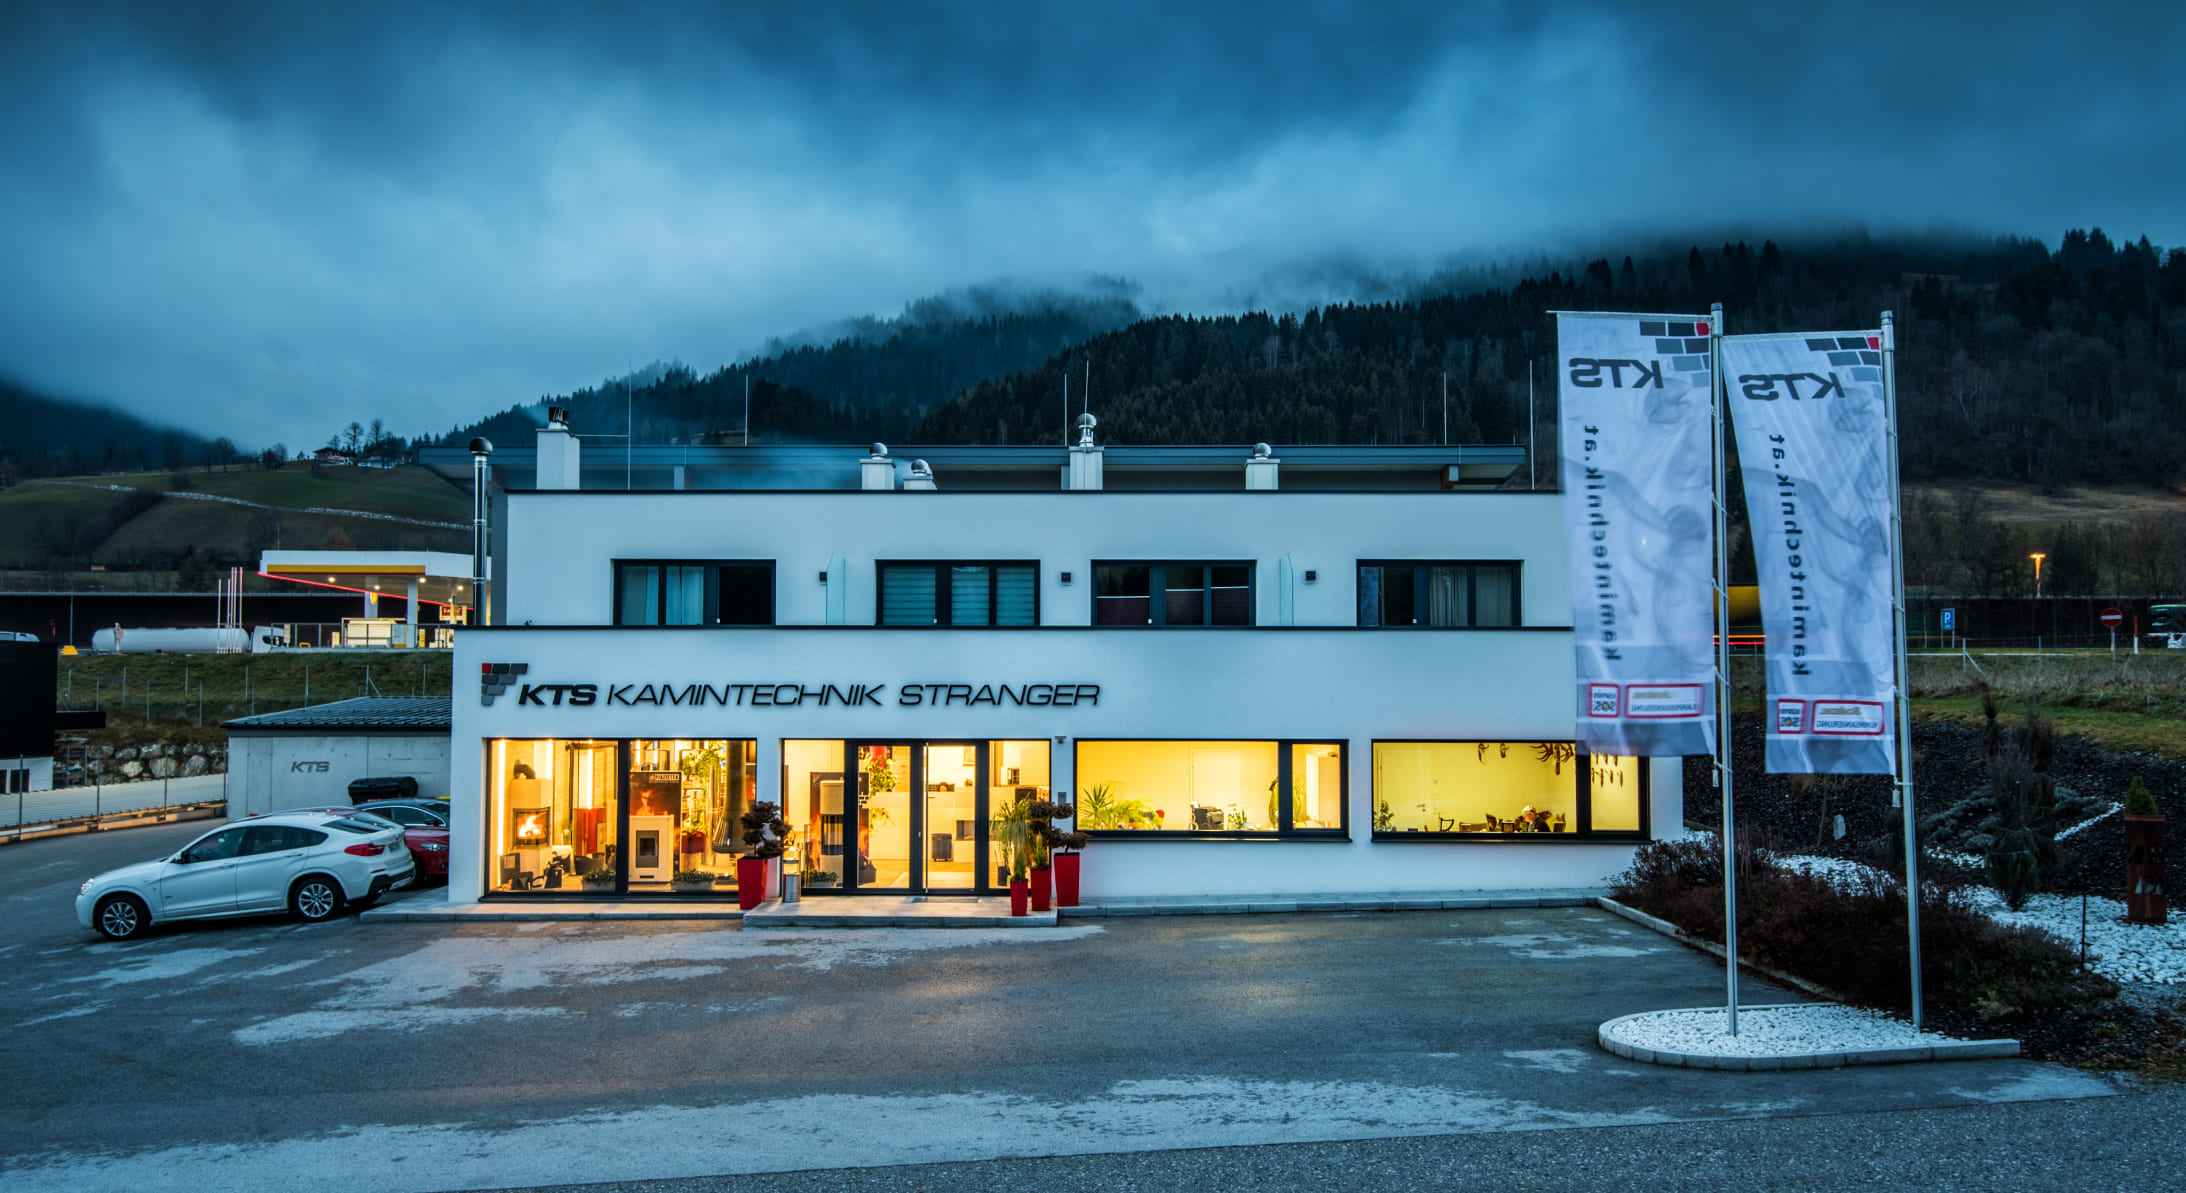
(481, 512)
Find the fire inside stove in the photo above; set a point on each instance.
(528, 826)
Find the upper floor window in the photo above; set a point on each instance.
(694, 593)
(1172, 594)
(1443, 595)
(927, 593)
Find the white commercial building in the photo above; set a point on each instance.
(1334, 669)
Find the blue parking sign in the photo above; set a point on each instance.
(1950, 619)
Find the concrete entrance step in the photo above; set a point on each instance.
(432, 906)
(852, 911)
(1131, 905)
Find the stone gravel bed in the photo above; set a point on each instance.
(1790, 1036)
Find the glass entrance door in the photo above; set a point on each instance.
(953, 791)
(920, 822)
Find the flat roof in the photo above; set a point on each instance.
(427, 713)
(1010, 468)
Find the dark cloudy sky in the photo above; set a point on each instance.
(268, 219)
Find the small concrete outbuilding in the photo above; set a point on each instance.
(306, 757)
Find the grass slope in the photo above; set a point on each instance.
(83, 520)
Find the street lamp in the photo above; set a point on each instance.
(2038, 557)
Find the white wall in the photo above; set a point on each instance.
(40, 768)
(1327, 684)
(279, 771)
(560, 544)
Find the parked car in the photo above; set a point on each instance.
(312, 863)
(424, 828)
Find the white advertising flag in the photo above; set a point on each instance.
(1813, 434)
(1638, 454)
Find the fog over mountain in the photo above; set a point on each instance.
(270, 218)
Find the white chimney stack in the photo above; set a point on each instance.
(1084, 474)
(877, 471)
(1260, 469)
(558, 452)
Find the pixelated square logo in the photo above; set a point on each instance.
(1602, 700)
(496, 678)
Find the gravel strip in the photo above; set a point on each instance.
(1802, 1029)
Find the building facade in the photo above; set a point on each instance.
(1318, 670)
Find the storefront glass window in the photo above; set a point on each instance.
(1316, 785)
(812, 804)
(1178, 786)
(1494, 788)
(686, 798)
(551, 812)
(1017, 771)
(1615, 784)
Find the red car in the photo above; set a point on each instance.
(427, 840)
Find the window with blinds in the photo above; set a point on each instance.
(957, 594)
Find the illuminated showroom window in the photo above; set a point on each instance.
(1211, 787)
(1503, 788)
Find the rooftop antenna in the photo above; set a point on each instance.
(1445, 407)
(1085, 400)
(1066, 406)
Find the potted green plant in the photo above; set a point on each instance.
(1041, 839)
(1011, 830)
(1066, 849)
(696, 880)
(2145, 902)
(767, 835)
(600, 879)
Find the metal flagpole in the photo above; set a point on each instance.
(1904, 759)
(1720, 395)
(1533, 429)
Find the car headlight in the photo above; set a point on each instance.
(85, 889)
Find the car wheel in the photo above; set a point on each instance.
(121, 917)
(315, 898)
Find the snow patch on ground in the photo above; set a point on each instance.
(325, 1025)
(1550, 946)
(160, 967)
(1796, 1029)
(1552, 1060)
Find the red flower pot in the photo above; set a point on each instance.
(1066, 879)
(1020, 894)
(751, 880)
(1043, 889)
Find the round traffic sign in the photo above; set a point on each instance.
(2113, 618)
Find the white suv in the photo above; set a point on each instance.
(309, 862)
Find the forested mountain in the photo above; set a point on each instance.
(44, 436)
(865, 378)
(2014, 361)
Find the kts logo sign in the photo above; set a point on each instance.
(496, 678)
(1861, 354)
(1683, 346)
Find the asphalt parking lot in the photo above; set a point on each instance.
(261, 1054)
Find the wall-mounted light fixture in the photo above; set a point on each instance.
(1066, 577)
(823, 577)
(1312, 576)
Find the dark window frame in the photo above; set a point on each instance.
(1283, 778)
(944, 603)
(1472, 590)
(710, 617)
(1157, 595)
(1582, 777)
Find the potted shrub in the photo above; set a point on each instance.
(600, 879)
(2144, 898)
(696, 880)
(1065, 850)
(1011, 829)
(1040, 840)
(767, 835)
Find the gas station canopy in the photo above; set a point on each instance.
(442, 578)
